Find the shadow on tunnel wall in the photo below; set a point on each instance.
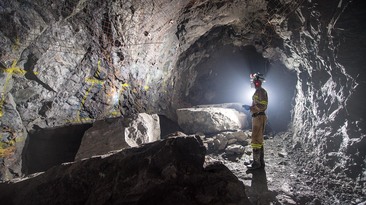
(168, 126)
(49, 147)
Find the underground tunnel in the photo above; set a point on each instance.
(66, 66)
(224, 78)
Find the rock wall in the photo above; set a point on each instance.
(84, 60)
(74, 62)
(328, 119)
(68, 62)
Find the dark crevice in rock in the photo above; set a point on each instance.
(167, 126)
(45, 107)
(49, 147)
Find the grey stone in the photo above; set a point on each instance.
(143, 128)
(220, 142)
(118, 133)
(282, 154)
(21, 96)
(240, 136)
(103, 137)
(210, 120)
(231, 141)
(235, 149)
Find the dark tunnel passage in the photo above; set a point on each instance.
(280, 85)
(49, 147)
(224, 78)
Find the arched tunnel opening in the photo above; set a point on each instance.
(224, 78)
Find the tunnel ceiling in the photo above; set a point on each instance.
(75, 61)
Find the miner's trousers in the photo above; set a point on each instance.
(258, 125)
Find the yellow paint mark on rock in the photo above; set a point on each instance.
(6, 149)
(115, 113)
(14, 69)
(94, 81)
(16, 45)
(80, 120)
(6, 152)
(10, 71)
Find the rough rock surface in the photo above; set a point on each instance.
(230, 142)
(236, 106)
(12, 140)
(66, 62)
(103, 137)
(119, 133)
(327, 117)
(141, 129)
(165, 172)
(210, 120)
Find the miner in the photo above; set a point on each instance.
(259, 118)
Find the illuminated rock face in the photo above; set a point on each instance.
(89, 60)
(328, 122)
(142, 128)
(210, 120)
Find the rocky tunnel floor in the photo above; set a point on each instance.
(280, 182)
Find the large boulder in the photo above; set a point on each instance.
(164, 172)
(143, 128)
(103, 137)
(236, 106)
(119, 133)
(210, 119)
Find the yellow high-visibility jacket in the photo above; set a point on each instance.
(260, 101)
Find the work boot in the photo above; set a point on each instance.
(256, 164)
(262, 157)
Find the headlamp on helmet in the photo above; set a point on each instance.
(257, 79)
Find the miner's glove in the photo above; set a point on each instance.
(246, 107)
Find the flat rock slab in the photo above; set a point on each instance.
(119, 133)
(210, 120)
(103, 137)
